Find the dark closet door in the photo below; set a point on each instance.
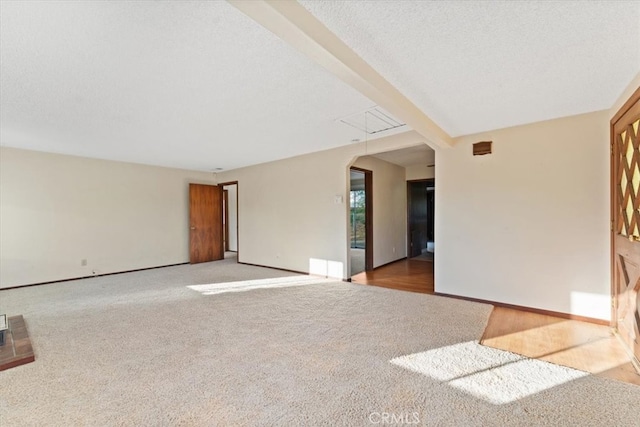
(418, 218)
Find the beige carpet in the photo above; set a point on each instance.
(213, 344)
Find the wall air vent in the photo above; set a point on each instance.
(481, 148)
(371, 121)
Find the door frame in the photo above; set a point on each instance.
(409, 182)
(614, 210)
(225, 203)
(368, 216)
(229, 183)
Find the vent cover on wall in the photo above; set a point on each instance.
(481, 148)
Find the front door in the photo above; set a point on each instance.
(205, 215)
(625, 146)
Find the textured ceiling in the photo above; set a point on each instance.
(480, 65)
(195, 85)
(199, 85)
(417, 155)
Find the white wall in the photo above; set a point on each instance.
(56, 210)
(528, 224)
(233, 216)
(416, 172)
(288, 214)
(389, 209)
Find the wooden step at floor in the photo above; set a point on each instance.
(17, 349)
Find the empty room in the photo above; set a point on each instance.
(287, 213)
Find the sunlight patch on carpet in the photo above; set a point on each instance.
(248, 285)
(496, 376)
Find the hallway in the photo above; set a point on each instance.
(406, 275)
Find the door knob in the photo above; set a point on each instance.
(193, 228)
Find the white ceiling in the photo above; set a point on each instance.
(196, 85)
(474, 66)
(417, 155)
(199, 85)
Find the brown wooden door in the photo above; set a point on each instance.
(625, 144)
(205, 217)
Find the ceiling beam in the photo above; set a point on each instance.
(290, 21)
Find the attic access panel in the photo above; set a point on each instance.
(372, 121)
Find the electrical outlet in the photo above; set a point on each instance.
(83, 262)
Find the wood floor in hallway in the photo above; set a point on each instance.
(579, 345)
(405, 275)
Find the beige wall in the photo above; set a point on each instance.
(294, 213)
(415, 172)
(528, 224)
(389, 209)
(56, 210)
